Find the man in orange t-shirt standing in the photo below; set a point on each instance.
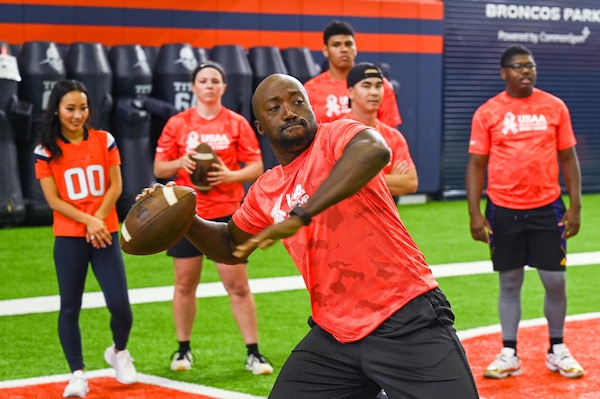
(328, 92)
(520, 135)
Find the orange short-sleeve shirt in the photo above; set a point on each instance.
(522, 137)
(359, 263)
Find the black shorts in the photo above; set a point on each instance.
(527, 237)
(415, 353)
(185, 249)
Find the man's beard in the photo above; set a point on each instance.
(297, 142)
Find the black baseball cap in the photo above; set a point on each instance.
(362, 71)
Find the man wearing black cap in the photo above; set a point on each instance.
(365, 92)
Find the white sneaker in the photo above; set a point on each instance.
(77, 387)
(506, 364)
(258, 365)
(182, 363)
(562, 361)
(122, 362)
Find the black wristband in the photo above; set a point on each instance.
(302, 214)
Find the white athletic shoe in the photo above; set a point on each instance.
(77, 387)
(506, 364)
(182, 362)
(258, 365)
(122, 362)
(562, 361)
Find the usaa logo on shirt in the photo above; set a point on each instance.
(218, 141)
(514, 124)
(337, 106)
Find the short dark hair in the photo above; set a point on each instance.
(337, 28)
(511, 52)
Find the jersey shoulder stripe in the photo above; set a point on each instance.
(111, 142)
(41, 153)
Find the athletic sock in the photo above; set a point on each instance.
(252, 349)
(184, 346)
(510, 344)
(555, 341)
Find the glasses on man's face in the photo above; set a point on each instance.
(520, 67)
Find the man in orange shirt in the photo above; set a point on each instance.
(328, 92)
(520, 135)
(365, 92)
(377, 310)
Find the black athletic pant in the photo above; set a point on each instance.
(71, 257)
(415, 354)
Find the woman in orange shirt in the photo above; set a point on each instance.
(234, 142)
(79, 170)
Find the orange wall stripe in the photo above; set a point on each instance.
(415, 9)
(12, 33)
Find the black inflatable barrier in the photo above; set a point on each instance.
(238, 95)
(41, 65)
(202, 55)
(12, 205)
(386, 69)
(171, 82)
(160, 108)
(151, 54)
(88, 63)
(266, 60)
(132, 83)
(15, 49)
(300, 63)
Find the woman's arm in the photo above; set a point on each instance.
(222, 174)
(95, 226)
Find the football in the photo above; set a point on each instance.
(158, 220)
(204, 158)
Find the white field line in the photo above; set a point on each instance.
(45, 304)
(143, 378)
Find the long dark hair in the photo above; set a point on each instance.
(50, 129)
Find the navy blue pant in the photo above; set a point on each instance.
(415, 354)
(72, 255)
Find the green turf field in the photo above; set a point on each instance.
(30, 344)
